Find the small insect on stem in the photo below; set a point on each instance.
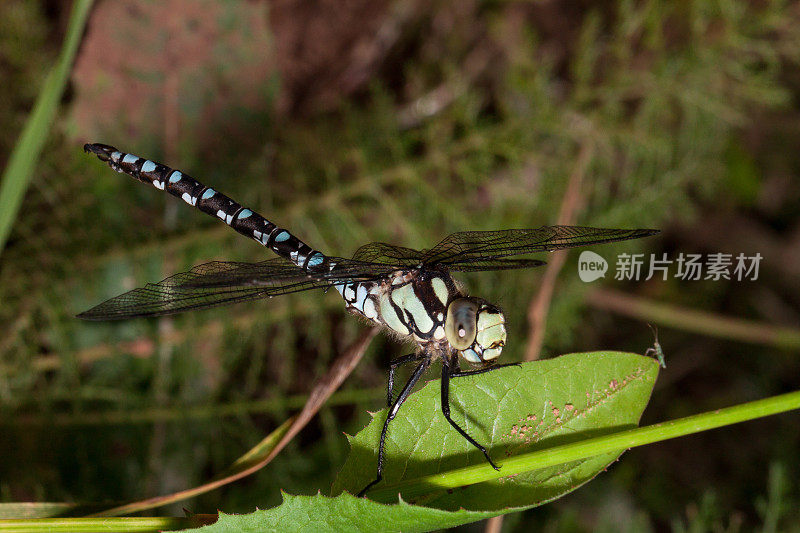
(656, 350)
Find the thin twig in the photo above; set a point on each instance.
(695, 321)
(494, 524)
(540, 305)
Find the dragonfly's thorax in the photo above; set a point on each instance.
(408, 302)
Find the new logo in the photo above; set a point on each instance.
(591, 266)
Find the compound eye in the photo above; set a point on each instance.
(461, 324)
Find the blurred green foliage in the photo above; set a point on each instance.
(689, 111)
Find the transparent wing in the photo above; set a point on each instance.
(470, 248)
(221, 283)
(389, 254)
(399, 257)
(473, 251)
(482, 265)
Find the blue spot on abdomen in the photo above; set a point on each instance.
(316, 259)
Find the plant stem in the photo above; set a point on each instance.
(696, 321)
(614, 442)
(91, 525)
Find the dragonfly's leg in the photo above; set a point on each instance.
(446, 411)
(392, 367)
(392, 413)
(460, 374)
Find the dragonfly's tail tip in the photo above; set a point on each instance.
(103, 151)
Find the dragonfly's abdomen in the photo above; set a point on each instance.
(209, 201)
(410, 303)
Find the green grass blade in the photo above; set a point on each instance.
(92, 525)
(26, 152)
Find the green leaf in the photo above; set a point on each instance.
(511, 411)
(343, 513)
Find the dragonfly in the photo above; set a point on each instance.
(409, 292)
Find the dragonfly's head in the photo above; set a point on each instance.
(476, 329)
